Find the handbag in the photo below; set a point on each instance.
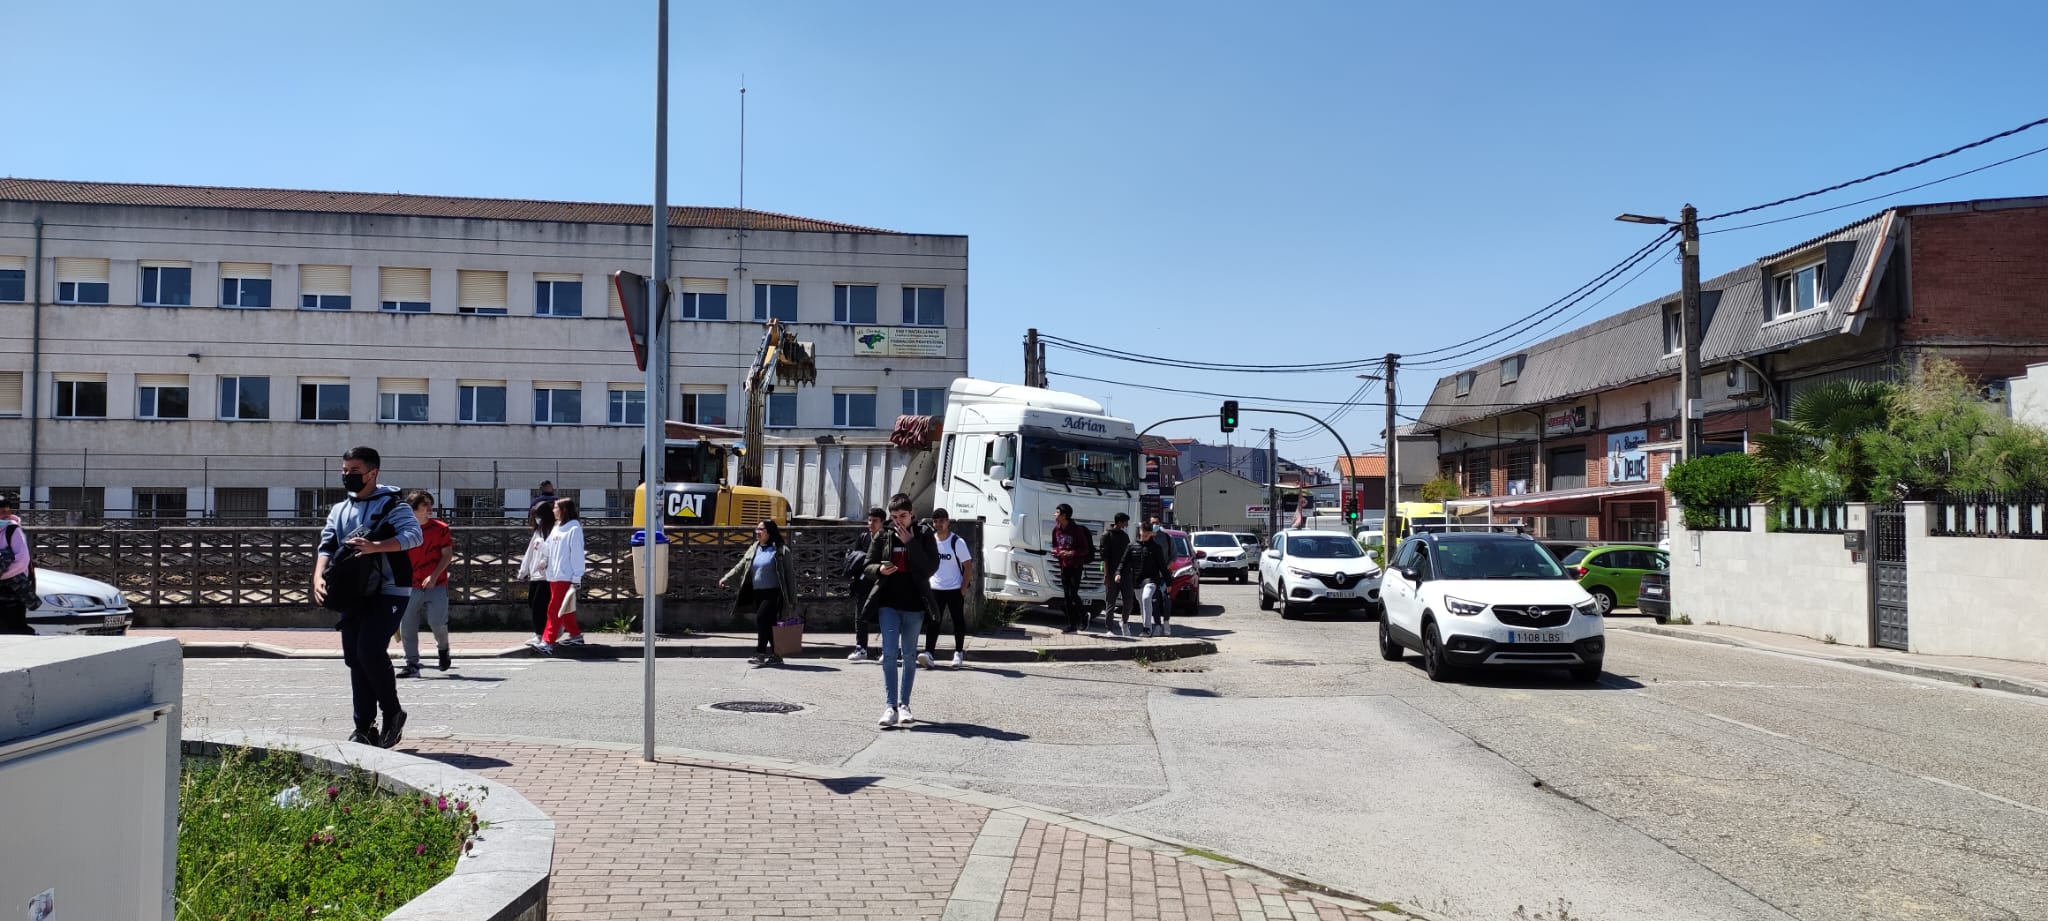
(355, 579)
(569, 601)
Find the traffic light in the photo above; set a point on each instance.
(1229, 416)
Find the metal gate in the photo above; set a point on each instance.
(1888, 573)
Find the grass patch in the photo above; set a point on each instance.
(346, 849)
(1681, 619)
(1212, 855)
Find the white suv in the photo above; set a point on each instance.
(1305, 569)
(1487, 599)
(1218, 553)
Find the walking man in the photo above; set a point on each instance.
(858, 592)
(364, 572)
(949, 582)
(429, 583)
(1072, 547)
(16, 567)
(1119, 594)
(900, 561)
(1155, 578)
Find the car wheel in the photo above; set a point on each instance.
(1433, 661)
(1288, 609)
(1265, 600)
(1661, 619)
(1603, 598)
(1587, 673)
(1389, 650)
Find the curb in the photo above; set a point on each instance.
(1158, 649)
(1966, 677)
(1003, 805)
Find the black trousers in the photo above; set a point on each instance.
(365, 639)
(13, 617)
(537, 605)
(767, 610)
(1070, 597)
(947, 600)
(859, 593)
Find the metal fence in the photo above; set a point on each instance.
(1729, 518)
(1809, 519)
(1990, 514)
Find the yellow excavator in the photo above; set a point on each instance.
(697, 487)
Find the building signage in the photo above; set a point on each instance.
(899, 341)
(1565, 420)
(1255, 512)
(1627, 462)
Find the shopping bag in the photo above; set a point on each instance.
(789, 637)
(569, 601)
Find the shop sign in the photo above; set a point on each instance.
(1565, 420)
(1626, 461)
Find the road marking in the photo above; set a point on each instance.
(1921, 777)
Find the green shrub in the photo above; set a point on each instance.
(1706, 484)
(1439, 490)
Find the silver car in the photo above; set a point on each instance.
(68, 604)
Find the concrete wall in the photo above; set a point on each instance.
(1803, 584)
(2029, 395)
(1974, 596)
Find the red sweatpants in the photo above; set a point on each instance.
(559, 624)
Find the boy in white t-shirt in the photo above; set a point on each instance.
(955, 572)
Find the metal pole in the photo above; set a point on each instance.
(1272, 484)
(657, 388)
(1392, 484)
(1689, 367)
(1031, 358)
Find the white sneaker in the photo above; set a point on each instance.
(924, 660)
(903, 717)
(576, 640)
(888, 717)
(959, 659)
(859, 655)
(544, 649)
(534, 642)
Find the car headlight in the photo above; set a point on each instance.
(1023, 574)
(1463, 608)
(73, 602)
(1300, 573)
(1589, 608)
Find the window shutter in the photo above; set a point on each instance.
(557, 385)
(10, 392)
(245, 270)
(470, 383)
(82, 377)
(75, 269)
(406, 385)
(14, 262)
(164, 264)
(404, 285)
(612, 307)
(323, 279)
(556, 276)
(323, 380)
(478, 289)
(162, 380)
(703, 286)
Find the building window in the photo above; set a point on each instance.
(557, 295)
(853, 304)
(557, 403)
(1674, 330)
(245, 284)
(478, 293)
(159, 502)
(618, 503)
(405, 290)
(323, 400)
(704, 406)
(245, 398)
(163, 396)
(81, 396)
(1521, 472)
(401, 399)
(1511, 369)
(782, 410)
(10, 393)
(479, 503)
(81, 281)
(924, 401)
(924, 306)
(775, 300)
(1479, 475)
(1799, 290)
(13, 278)
(480, 402)
(324, 287)
(703, 299)
(314, 502)
(853, 409)
(625, 406)
(166, 284)
(241, 502)
(1464, 385)
(89, 502)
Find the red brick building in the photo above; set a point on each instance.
(1577, 431)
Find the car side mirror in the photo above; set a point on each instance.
(1412, 574)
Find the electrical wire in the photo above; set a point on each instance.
(2036, 123)
(1139, 358)
(1237, 396)
(1865, 201)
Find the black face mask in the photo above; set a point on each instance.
(353, 482)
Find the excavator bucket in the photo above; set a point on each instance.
(796, 362)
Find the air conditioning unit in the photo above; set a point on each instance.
(1742, 382)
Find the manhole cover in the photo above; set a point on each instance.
(1287, 662)
(756, 706)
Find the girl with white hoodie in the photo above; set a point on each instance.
(565, 574)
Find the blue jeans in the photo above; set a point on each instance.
(899, 652)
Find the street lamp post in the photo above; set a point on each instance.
(1690, 415)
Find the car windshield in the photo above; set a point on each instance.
(1054, 460)
(1323, 547)
(1493, 559)
(1216, 540)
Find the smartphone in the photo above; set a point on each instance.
(899, 558)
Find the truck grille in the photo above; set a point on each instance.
(1534, 615)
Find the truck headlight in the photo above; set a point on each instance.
(1023, 574)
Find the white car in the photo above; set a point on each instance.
(1488, 599)
(1326, 569)
(1218, 553)
(69, 604)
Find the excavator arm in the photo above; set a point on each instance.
(781, 360)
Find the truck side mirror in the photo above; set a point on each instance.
(1002, 460)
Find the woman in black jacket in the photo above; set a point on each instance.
(767, 580)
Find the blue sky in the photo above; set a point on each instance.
(1212, 181)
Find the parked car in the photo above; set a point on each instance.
(1186, 588)
(1613, 573)
(1473, 599)
(1251, 542)
(1653, 595)
(1309, 569)
(1217, 553)
(68, 604)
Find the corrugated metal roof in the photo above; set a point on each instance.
(502, 209)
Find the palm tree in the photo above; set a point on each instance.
(1816, 455)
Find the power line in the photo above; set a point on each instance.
(2036, 123)
(1865, 201)
(1239, 396)
(1140, 358)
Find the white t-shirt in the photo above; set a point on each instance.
(952, 552)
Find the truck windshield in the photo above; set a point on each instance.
(1073, 463)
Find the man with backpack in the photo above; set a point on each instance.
(949, 584)
(1155, 573)
(1073, 548)
(856, 566)
(17, 570)
(364, 573)
(1119, 594)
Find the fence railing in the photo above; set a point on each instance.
(1729, 518)
(1809, 519)
(1990, 514)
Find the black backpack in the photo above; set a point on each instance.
(355, 579)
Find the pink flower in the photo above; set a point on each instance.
(441, 804)
(333, 792)
(421, 849)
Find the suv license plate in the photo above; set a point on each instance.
(1535, 636)
(1337, 593)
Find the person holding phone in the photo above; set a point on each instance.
(901, 561)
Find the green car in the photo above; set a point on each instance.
(1612, 574)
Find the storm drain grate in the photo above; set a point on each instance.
(1285, 662)
(756, 706)
(1183, 669)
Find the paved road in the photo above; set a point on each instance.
(1695, 781)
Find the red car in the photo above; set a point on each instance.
(1186, 588)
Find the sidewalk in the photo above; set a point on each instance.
(706, 835)
(2029, 678)
(1019, 643)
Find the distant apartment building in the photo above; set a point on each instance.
(182, 351)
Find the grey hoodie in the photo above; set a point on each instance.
(352, 513)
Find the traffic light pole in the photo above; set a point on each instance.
(1253, 409)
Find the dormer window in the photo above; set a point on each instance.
(1511, 369)
(1674, 330)
(1465, 383)
(1799, 290)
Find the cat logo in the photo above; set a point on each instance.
(686, 505)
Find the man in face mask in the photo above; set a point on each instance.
(369, 530)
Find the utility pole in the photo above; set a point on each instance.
(1393, 481)
(1031, 354)
(1689, 306)
(1272, 484)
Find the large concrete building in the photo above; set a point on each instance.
(182, 351)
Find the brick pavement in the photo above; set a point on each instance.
(691, 836)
